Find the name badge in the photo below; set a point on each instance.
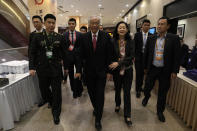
(122, 72)
(49, 54)
(71, 47)
(159, 55)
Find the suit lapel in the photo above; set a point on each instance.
(166, 43)
(98, 39)
(90, 43)
(117, 48)
(141, 39)
(153, 44)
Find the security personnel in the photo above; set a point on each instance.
(38, 25)
(46, 52)
(72, 38)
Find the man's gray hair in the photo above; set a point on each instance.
(94, 17)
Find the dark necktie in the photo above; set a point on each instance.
(94, 42)
(72, 38)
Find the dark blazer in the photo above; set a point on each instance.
(139, 45)
(37, 56)
(171, 53)
(96, 62)
(129, 55)
(72, 54)
(31, 36)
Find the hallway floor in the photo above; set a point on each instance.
(77, 115)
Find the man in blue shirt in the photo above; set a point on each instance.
(161, 62)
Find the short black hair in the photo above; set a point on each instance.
(146, 21)
(51, 16)
(84, 27)
(166, 18)
(37, 16)
(116, 35)
(72, 19)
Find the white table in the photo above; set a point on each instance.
(182, 98)
(17, 98)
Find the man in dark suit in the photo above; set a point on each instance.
(96, 50)
(184, 55)
(161, 62)
(45, 56)
(140, 43)
(83, 29)
(72, 38)
(38, 24)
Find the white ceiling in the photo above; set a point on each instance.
(110, 10)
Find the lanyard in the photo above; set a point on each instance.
(74, 37)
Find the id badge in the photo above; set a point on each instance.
(71, 47)
(159, 55)
(49, 54)
(122, 72)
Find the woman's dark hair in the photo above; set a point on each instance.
(116, 35)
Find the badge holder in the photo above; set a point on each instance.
(49, 54)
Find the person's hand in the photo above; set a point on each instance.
(114, 65)
(32, 72)
(145, 71)
(109, 77)
(66, 72)
(78, 75)
(133, 60)
(173, 75)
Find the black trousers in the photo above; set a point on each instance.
(76, 84)
(124, 82)
(139, 68)
(164, 85)
(96, 88)
(53, 95)
(71, 75)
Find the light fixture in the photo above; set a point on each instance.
(127, 5)
(123, 11)
(120, 14)
(77, 11)
(99, 5)
(71, 6)
(3, 60)
(135, 11)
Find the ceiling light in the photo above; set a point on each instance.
(3, 60)
(99, 5)
(77, 11)
(71, 6)
(123, 11)
(127, 5)
(120, 14)
(142, 5)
